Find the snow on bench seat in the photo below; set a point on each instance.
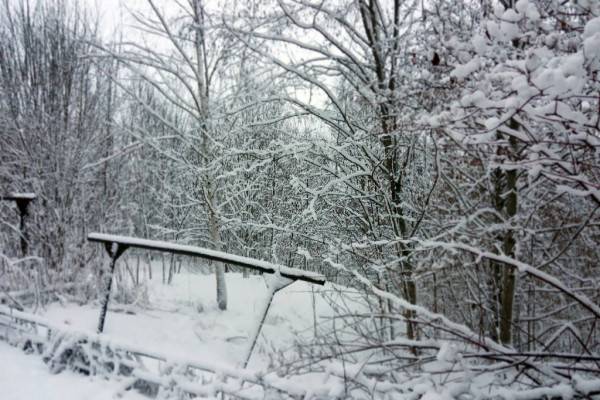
(194, 251)
(18, 196)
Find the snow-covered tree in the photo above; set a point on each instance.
(55, 112)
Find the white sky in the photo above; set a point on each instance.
(114, 15)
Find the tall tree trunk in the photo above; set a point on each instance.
(508, 272)
(504, 276)
(210, 189)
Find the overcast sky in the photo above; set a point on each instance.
(114, 15)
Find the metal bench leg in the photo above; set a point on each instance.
(275, 284)
(115, 250)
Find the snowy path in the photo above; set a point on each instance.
(26, 377)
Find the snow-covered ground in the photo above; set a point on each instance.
(182, 320)
(26, 377)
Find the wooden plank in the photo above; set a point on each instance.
(194, 251)
(18, 196)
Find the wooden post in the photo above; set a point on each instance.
(23, 213)
(137, 271)
(22, 200)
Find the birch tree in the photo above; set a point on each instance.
(181, 70)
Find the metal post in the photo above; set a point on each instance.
(274, 285)
(115, 250)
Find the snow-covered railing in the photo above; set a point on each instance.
(194, 251)
(61, 346)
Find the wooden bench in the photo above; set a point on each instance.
(116, 245)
